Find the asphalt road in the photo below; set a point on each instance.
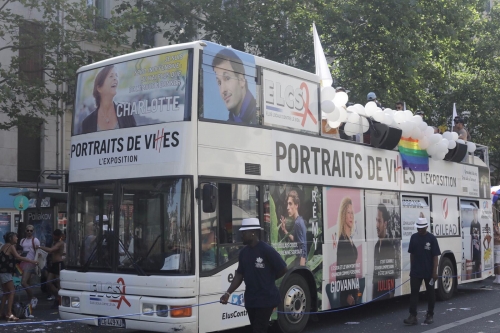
(474, 308)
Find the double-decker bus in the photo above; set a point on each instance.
(172, 147)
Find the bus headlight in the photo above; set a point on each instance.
(162, 310)
(65, 301)
(75, 302)
(147, 309)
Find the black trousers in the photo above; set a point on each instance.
(415, 284)
(259, 318)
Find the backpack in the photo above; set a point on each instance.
(21, 310)
(7, 263)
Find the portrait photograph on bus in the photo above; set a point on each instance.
(139, 92)
(229, 87)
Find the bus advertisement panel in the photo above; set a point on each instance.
(139, 92)
(344, 248)
(296, 227)
(229, 88)
(471, 240)
(383, 234)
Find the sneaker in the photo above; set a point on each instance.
(411, 320)
(428, 319)
(34, 302)
(51, 298)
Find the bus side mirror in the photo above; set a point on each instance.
(209, 198)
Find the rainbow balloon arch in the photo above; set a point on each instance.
(359, 118)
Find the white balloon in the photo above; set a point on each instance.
(429, 131)
(343, 114)
(399, 117)
(417, 119)
(442, 154)
(422, 126)
(334, 115)
(435, 138)
(460, 141)
(360, 109)
(407, 129)
(447, 135)
(352, 109)
(353, 118)
(408, 115)
(351, 129)
(423, 142)
(340, 98)
(327, 106)
(416, 133)
(388, 119)
(471, 147)
(365, 124)
(327, 93)
(455, 136)
(390, 111)
(432, 149)
(443, 145)
(379, 116)
(452, 144)
(370, 108)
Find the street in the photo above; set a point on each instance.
(474, 308)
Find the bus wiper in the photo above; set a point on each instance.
(150, 249)
(93, 255)
(129, 257)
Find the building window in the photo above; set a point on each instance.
(102, 13)
(28, 149)
(31, 52)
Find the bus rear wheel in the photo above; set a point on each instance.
(295, 304)
(447, 280)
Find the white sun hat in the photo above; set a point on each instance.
(250, 224)
(422, 223)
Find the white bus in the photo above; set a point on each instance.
(173, 146)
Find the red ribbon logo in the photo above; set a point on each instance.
(122, 293)
(306, 107)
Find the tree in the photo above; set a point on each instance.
(44, 42)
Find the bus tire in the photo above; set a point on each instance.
(447, 280)
(295, 304)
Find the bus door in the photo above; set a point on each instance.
(222, 207)
(413, 207)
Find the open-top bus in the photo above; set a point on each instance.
(173, 146)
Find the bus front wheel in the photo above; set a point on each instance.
(447, 280)
(295, 304)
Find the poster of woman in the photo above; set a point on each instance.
(343, 255)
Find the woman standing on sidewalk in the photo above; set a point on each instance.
(29, 245)
(8, 257)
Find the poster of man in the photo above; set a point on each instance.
(471, 240)
(383, 230)
(293, 225)
(343, 255)
(229, 87)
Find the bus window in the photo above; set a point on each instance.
(220, 238)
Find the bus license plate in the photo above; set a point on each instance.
(112, 322)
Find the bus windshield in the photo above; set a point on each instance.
(132, 226)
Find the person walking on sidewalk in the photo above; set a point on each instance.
(259, 266)
(29, 245)
(56, 266)
(8, 257)
(424, 251)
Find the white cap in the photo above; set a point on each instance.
(250, 224)
(422, 223)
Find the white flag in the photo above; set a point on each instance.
(320, 61)
(454, 115)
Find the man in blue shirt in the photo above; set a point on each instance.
(424, 252)
(259, 266)
(233, 87)
(299, 230)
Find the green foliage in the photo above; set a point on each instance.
(61, 35)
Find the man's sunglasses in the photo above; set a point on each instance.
(29, 230)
